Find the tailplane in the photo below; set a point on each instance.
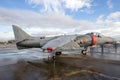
(20, 35)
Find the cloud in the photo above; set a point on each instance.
(50, 24)
(43, 21)
(100, 19)
(109, 4)
(5, 36)
(110, 24)
(114, 16)
(56, 24)
(75, 5)
(42, 24)
(60, 5)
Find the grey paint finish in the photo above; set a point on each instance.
(58, 43)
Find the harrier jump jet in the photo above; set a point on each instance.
(61, 43)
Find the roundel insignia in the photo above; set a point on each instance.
(94, 40)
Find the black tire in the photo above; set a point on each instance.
(58, 53)
(83, 52)
(53, 58)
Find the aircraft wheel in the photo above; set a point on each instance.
(58, 53)
(54, 58)
(84, 52)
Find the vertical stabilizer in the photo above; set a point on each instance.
(20, 34)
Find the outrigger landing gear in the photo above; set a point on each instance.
(56, 54)
(53, 58)
(84, 52)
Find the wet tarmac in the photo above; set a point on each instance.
(29, 64)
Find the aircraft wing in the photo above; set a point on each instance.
(62, 43)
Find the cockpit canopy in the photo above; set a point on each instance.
(95, 33)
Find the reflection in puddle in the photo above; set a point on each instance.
(29, 65)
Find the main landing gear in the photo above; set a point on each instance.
(84, 52)
(56, 54)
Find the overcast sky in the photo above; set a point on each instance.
(52, 17)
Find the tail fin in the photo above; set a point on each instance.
(20, 34)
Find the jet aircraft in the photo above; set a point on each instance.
(57, 44)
